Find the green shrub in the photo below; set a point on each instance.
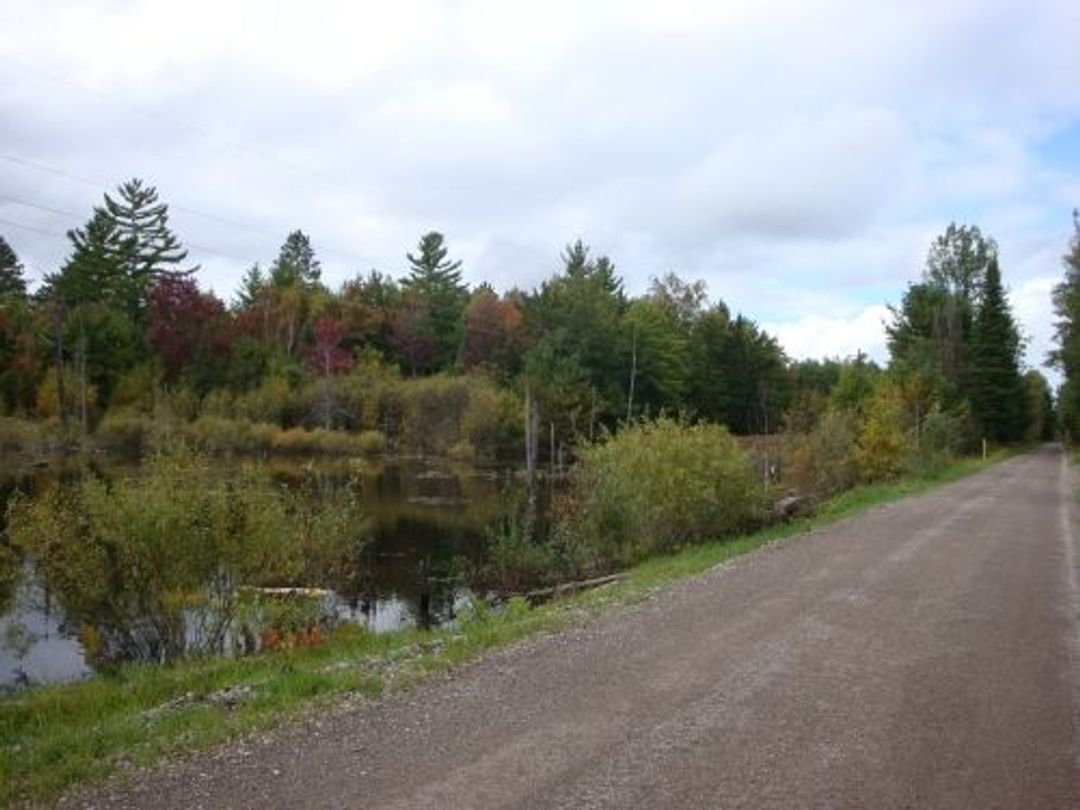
(218, 402)
(885, 449)
(221, 434)
(514, 561)
(822, 462)
(273, 401)
(657, 485)
(371, 441)
(298, 440)
(124, 431)
(21, 434)
(130, 558)
(181, 404)
(134, 391)
(433, 410)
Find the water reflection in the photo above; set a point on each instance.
(37, 645)
(427, 521)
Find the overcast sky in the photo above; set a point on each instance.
(799, 156)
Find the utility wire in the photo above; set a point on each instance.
(50, 209)
(30, 227)
(137, 109)
(159, 117)
(44, 167)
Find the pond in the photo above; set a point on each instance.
(427, 525)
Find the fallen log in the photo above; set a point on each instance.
(320, 592)
(571, 587)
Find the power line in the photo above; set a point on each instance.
(29, 227)
(145, 112)
(39, 206)
(50, 209)
(160, 117)
(44, 167)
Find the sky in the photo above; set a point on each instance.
(799, 157)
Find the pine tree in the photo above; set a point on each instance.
(435, 286)
(147, 247)
(12, 283)
(95, 271)
(296, 264)
(998, 395)
(251, 287)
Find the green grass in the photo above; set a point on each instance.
(55, 737)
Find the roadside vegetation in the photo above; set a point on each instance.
(56, 737)
(155, 566)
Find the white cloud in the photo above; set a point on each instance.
(798, 156)
(1034, 311)
(817, 336)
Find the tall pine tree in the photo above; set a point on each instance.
(296, 264)
(147, 247)
(998, 394)
(436, 290)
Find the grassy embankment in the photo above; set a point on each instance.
(56, 737)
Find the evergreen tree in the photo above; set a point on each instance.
(998, 394)
(436, 289)
(94, 272)
(738, 373)
(146, 246)
(251, 287)
(12, 283)
(578, 313)
(296, 264)
(931, 330)
(1066, 356)
(1042, 418)
(97, 303)
(659, 358)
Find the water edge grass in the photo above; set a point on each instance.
(54, 738)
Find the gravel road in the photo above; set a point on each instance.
(921, 655)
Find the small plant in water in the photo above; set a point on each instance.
(152, 566)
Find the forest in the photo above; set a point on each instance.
(121, 340)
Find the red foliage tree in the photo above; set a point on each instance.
(183, 320)
(492, 331)
(326, 355)
(411, 334)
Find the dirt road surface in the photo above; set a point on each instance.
(920, 655)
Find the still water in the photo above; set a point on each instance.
(427, 524)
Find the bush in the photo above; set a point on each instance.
(884, 451)
(181, 404)
(47, 399)
(514, 561)
(658, 485)
(131, 559)
(433, 410)
(134, 391)
(20, 434)
(823, 461)
(298, 440)
(124, 431)
(371, 441)
(221, 434)
(273, 402)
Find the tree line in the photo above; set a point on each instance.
(123, 326)
(1066, 354)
